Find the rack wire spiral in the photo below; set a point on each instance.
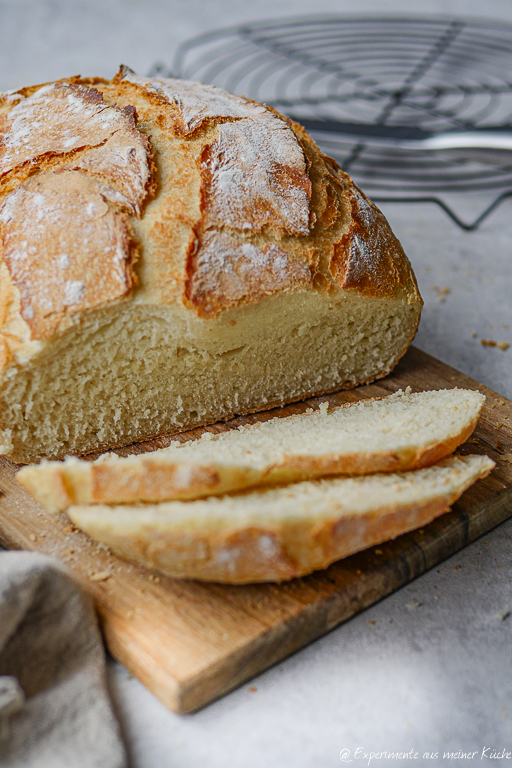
(435, 74)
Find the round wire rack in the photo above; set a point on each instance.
(355, 82)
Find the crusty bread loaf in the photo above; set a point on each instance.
(173, 255)
(279, 533)
(401, 432)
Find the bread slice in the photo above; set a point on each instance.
(279, 533)
(400, 432)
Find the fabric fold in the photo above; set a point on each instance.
(55, 709)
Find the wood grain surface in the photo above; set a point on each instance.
(192, 642)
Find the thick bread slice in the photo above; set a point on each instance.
(400, 432)
(279, 533)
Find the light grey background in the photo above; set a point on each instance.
(433, 672)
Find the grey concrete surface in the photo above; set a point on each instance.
(433, 672)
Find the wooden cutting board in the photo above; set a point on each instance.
(192, 642)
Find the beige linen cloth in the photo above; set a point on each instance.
(55, 710)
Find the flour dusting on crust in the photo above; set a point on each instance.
(65, 248)
(124, 161)
(226, 272)
(62, 118)
(254, 177)
(368, 258)
(254, 174)
(57, 118)
(198, 103)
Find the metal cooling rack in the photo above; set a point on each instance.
(433, 74)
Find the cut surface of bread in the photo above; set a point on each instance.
(173, 255)
(135, 375)
(279, 533)
(401, 432)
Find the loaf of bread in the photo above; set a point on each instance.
(401, 432)
(279, 533)
(173, 255)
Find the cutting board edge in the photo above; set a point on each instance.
(285, 639)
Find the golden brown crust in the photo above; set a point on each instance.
(63, 119)
(360, 252)
(248, 185)
(224, 272)
(241, 554)
(259, 176)
(369, 258)
(371, 463)
(65, 248)
(66, 243)
(150, 478)
(436, 453)
(125, 163)
(13, 97)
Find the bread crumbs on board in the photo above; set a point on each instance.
(100, 576)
